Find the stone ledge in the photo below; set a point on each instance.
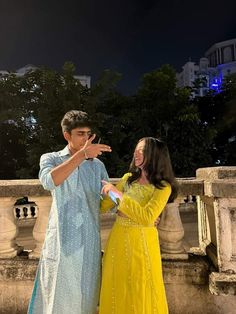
(193, 271)
(220, 188)
(222, 283)
(186, 283)
(32, 187)
(18, 269)
(175, 256)
(190, 186)
(214, 173)
(19, 188)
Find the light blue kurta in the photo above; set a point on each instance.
(68, 275)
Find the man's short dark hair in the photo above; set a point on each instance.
(75, 119)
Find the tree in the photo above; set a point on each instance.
(167, 112)
(198, 131)
(217, 111)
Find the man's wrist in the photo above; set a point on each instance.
(85, 154)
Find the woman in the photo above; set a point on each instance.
(132, 279)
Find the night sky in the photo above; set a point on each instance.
(129, 36)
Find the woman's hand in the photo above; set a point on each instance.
(157, 221)
(108, 187)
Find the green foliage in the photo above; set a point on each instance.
(12, 149)
(197, 131)
(218, 112)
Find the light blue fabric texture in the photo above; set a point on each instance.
(68, 275)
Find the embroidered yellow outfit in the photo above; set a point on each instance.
(132, 279)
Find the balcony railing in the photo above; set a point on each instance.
(214, 189)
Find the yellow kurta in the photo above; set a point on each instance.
(132, 279)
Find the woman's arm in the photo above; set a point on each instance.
(145, 215)
(107, 203)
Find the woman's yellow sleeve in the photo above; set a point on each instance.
(107, 204)
(145, 215)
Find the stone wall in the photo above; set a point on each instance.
(186, 285)
(202, 282)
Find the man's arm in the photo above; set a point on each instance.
(51, 174)
(61, 172)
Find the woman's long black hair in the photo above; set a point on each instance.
(157, 166)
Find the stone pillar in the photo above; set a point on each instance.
(8, 229)
(218, 225)
(204, 235)
(44, 205)
(106, 222)
(171, 233)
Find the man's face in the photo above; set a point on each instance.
(77, 138)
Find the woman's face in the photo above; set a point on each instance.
(139, 154)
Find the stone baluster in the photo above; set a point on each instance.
(171, 233)
(26, 211)
(218, 224)
(44, 205)
(8, 229)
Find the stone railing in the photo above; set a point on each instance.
(170, 228)
(26, 211)
(217, 225)
(214, 189)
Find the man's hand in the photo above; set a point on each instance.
(93, 150)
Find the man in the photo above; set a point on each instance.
(68, 275)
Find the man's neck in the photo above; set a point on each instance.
(72, 150)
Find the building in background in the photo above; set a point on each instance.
(219, 61)
(84, 79)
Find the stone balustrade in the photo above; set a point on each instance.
(170, 227)
(214, 188)
(194, 283)
(26, 211)
(10, 191)
(217, 225)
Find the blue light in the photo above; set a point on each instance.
(216, 83)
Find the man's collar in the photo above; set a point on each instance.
(64, 152)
